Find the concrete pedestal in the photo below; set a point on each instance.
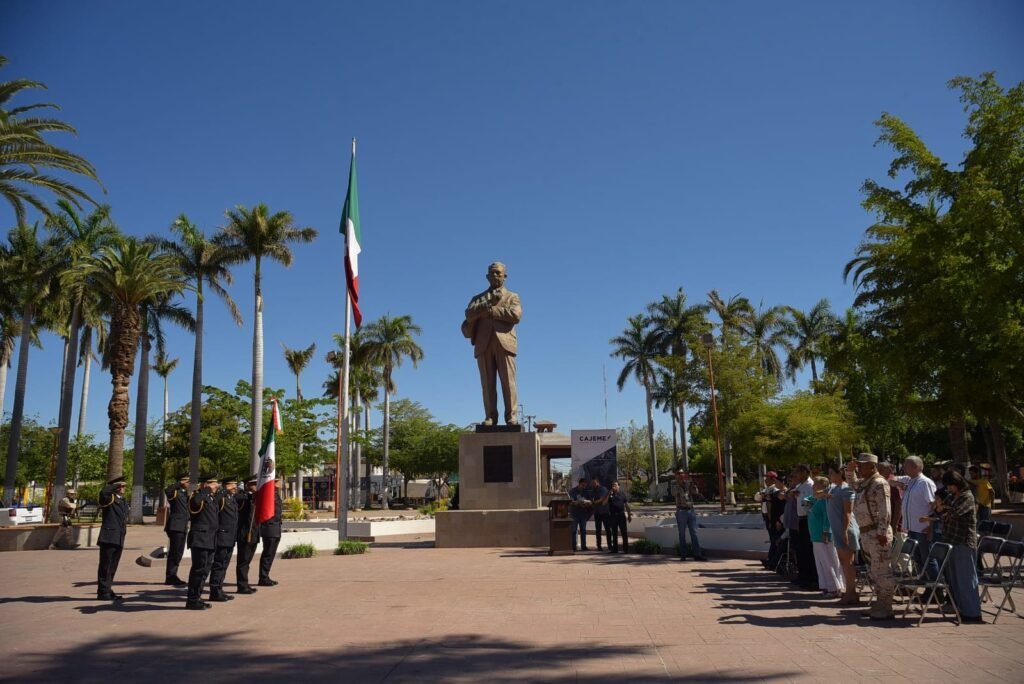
(499, 494)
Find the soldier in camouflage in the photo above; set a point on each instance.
(873, 513)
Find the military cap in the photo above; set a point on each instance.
(209, 477)
(866, 458)
(252, 478)
(229, 480)
(117, 480)
(182, 476)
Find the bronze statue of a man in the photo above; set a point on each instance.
(490, 325)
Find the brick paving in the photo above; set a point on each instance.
(407, 612)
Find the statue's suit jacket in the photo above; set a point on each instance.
(506, 313)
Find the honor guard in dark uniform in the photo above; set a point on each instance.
(203, 535)
(227, 530)
(111, 539)
(248, 534)
(270, 531)
(176, 527)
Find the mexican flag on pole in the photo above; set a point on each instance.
(268, 472)
(353, 239)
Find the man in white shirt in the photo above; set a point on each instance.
(807, 571)
(918, 496)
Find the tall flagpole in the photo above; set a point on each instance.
(342, 466)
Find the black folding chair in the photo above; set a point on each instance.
(1001, 529)
(1005, 575)
(985, 527)
(940, 553)
(988, 554)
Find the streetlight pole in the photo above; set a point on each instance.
(709, 341)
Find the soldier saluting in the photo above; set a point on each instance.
(248, 534)
(111, 539)
(203, 534)
(871, 508)
(227, 530)
(176, 528)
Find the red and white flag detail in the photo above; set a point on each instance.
(268, 470)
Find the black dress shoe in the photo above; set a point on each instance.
(271, 583)
(197, 605)
(221, 598)
(109, 597)
(702, 559)
(246, 590)
(175, 582)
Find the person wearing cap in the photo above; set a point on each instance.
(871, 508)
(205, 518)
(918, 500)
(227, 532)
(66, 508)
(686, 516)
(114, 508)
(270, 531)
(247, 534)
(176, 528)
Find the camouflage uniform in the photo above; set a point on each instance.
(873, 516)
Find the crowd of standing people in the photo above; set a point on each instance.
(824, 518)
(211, 521)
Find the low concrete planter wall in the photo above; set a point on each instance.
(734, 536)
(385, 528)
(38, 537)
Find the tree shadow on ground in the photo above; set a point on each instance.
(606, 558)
(229, 657)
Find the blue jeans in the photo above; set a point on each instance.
(963, 581)
(579, 524)
(686, 519)
(923, 545)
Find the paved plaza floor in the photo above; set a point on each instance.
(408, 612)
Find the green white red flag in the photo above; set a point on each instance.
(353, 239)
(268, 469)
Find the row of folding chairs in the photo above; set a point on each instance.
(991, 528)
(1002, 562)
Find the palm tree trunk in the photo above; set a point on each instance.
(163, 422)
(366, 462)
(5, 360)
(357, 452)
(197, 393)
(67, 399)
(256, 422)
(675, 442)
(682, 437)
(650, 441)
(387, 444)
(958, 439)
(729, 472)
(1002, 470)
(124, 335)
(814, 372)
(298, 470)
(18, 410)
(141, 411)
(82, 403)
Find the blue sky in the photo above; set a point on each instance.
(607, 152)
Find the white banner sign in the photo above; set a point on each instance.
(593, 455)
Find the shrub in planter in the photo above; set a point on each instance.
(351, 547)
(646, 547)
(293, 510)
(300, 551)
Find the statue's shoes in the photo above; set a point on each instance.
(487, 422)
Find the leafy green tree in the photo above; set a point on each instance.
(205, 265)
(386, 343)
(25, 154)
(256, 234)
(632, 452)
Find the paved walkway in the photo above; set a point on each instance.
(409, 612)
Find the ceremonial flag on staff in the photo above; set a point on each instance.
(268, 471)
(353, 239)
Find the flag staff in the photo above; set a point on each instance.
(342, 457)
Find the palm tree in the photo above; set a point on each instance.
(95, 329)
(386, 342)
(638, 347)
(163, 367)
(152, 313)
(297, 360)
(257, 234)
(31, 269)
(204, 264)
(10, 331)
(675, 324)
(731, 312)
(81, 237)
(127, 274)
(25, 153)
(765, 329)
(810, 333)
